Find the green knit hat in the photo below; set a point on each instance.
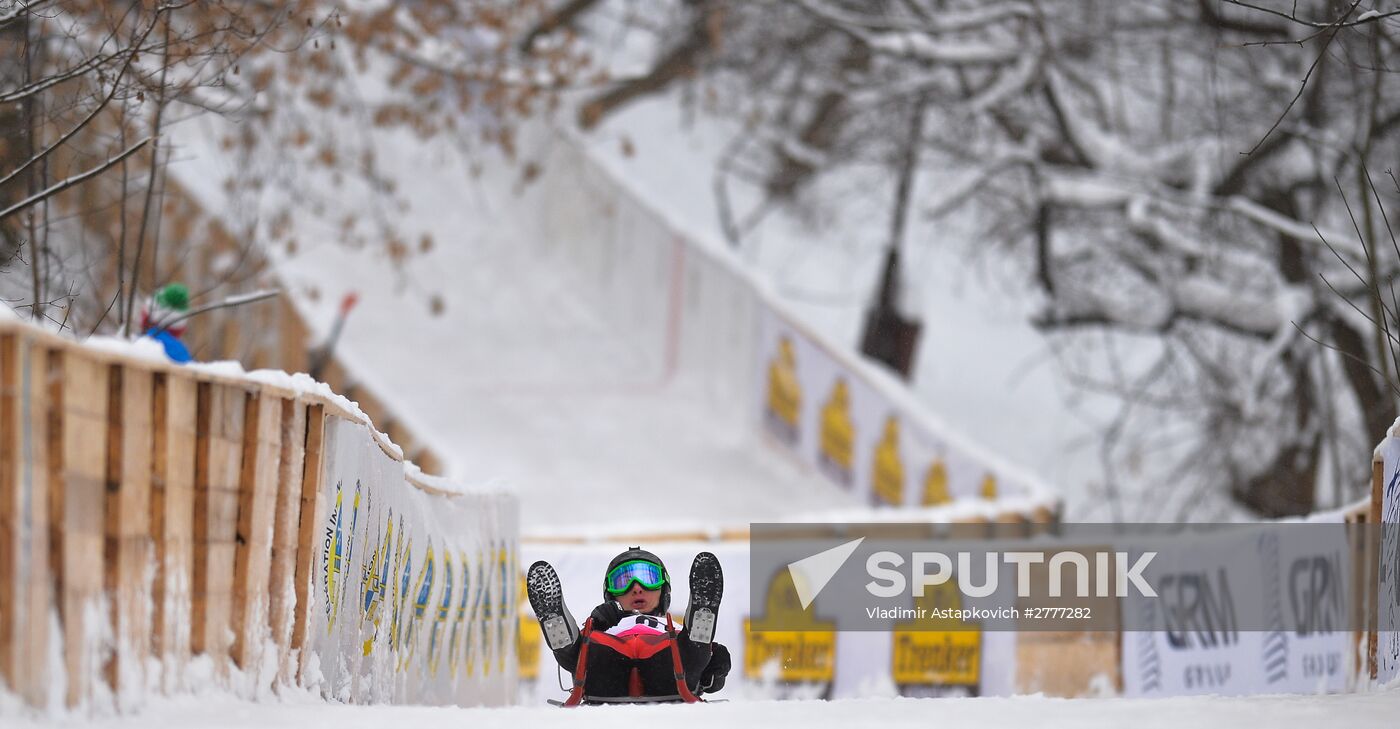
(175, 297)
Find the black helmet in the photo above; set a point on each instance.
(639, 553)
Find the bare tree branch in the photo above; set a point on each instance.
(71, 181)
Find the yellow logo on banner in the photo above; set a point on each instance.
(803, 656)
(936, 484)
(784, 392)
(838, 433)
(413, 617)
(476, 644)
(332, 557)
(926, 656)
(459, 629)
(888, 471)
(375, 584)
(505, 613)
(989, 487)
(444, 611)
(398, 590)
(337, 551)
(527, 643)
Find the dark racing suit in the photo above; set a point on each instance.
(635, 657)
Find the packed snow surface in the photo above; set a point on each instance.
(1378, 709)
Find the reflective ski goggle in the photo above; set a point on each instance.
(647, 574)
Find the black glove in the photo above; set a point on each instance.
(607, 615)
(712, 678)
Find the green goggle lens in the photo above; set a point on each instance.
(647, 574)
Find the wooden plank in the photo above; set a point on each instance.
(46, 427)
(285, 530)
(112, 453)
(218, 463)
(80, 519)
(1362, 590)
(174, 441)
(9, 508)
(1068, 657)
(262, 443)
(38, 415)
(1066, 663)
(312, 514)
(128, 536)
(24, 552)
(10, 466)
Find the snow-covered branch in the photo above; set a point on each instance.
(1195, 298)
(87, 66)
(20, 10)
(1299, 230)
(923, 47)
(924, 43)
(934, 20)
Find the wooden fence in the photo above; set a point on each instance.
(149, 511)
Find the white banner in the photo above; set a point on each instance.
(1202, 636)
(1310, 588)
(413, 598)
(835, 419)
(1194, 644)
(1388, 588)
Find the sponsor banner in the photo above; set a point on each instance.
(1189, 641)
(1246, 611)
(1388, 581)
(798, 662)
(834, 419)
(1312, 585)
(414, 601)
